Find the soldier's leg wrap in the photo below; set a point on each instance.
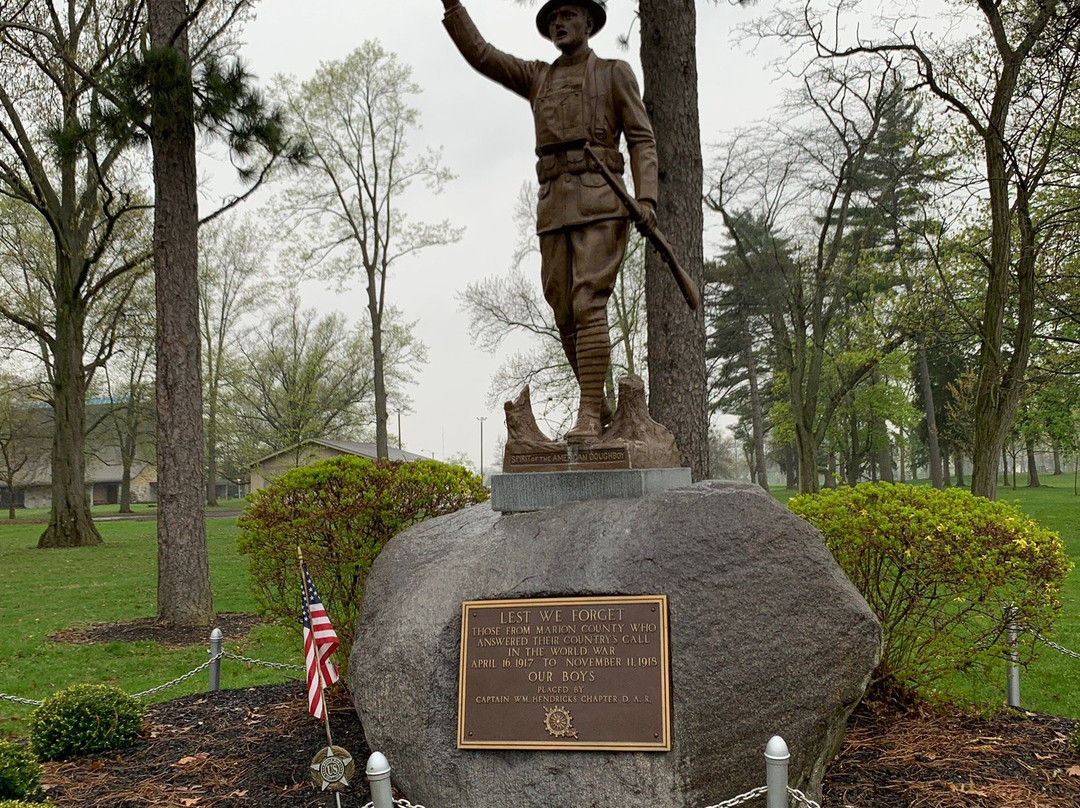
(598, 251)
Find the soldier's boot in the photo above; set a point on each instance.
(593, 355)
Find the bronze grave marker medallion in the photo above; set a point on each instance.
(565, 673)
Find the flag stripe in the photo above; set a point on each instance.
(320, 641)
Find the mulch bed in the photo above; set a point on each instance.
(232, 625)
(253, 747)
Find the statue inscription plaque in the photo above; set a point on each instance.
(565, 673)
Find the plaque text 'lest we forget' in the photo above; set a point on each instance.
(565, 673)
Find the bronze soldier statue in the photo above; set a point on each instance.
(582, 106)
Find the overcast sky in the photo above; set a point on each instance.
(486, 136)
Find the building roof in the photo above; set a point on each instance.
(346, 447)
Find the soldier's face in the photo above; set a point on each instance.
(569, 27)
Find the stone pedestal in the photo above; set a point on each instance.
(767, 637)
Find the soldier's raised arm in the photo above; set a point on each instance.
(513, 73)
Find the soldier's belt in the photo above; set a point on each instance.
(575, 161)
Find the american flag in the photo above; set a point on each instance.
(320, 641)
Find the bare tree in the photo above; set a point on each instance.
(305, 376)
(231, 255)
(346, 206)
(129, 417)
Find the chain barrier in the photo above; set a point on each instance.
(19, 700)
(1060, 648)
(801, 799)
(184, 678)
(281, 666)
(180, 679)
(742, 798)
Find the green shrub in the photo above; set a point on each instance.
(20, 773)
(25, 804)
(939, 569)
(341, 513)
(83, 719)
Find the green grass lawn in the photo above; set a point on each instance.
(48, 590)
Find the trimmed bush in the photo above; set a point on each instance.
(25, 804)
(20, 773)
(84, 719)
(939, 569)
(341, 513)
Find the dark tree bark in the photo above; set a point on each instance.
(1033, 469)
(676, 336)
(70, 522)
(757, 421)
(184, 595)
(931, 418)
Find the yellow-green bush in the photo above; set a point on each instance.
(84, 719)
(341, 513)
(20, 773)
(940, 569)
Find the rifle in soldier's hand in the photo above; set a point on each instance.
(689, 289)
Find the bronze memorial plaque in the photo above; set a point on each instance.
(565, 673)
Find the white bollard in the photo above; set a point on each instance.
(777, 757)
(1012, 663)
(378, 775)
(215, 655)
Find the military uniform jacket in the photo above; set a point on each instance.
(608, 106)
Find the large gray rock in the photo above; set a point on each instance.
(767, 637)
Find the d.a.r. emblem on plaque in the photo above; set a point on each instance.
(559, 723)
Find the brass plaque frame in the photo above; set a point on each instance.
(586, 674)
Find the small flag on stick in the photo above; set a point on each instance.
(320, 641)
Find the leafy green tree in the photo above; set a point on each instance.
(346, 205)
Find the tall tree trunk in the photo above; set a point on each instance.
(70, 522)
(1057, 460)
(761, 476)
(1033, 469)
(806, 450)
(958, 467)
(903, 458)
(931, 418)
(791, 470)
(676, 336)
(184, 594)
(1004, 465)
(382, 441)
(125, 488)
(1002, 368)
